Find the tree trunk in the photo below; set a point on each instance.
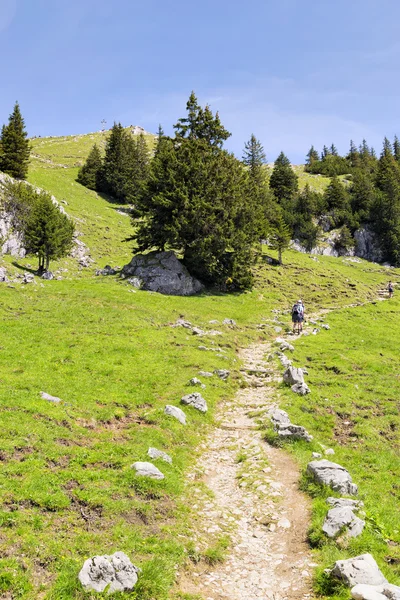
(47, 262)
(280, 256)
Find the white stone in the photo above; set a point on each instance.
(360, 569)
(114, 572)
(177, 413)
(146, 469)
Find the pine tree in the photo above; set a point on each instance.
(139, 169)
(254, 155)
(325, 152)
(279, 238)
(283, 181)
(201, 124)
(88, 174)
(48, 232)
(362, 196)
(396, 148)
(353, 156)
(333, 150)
(337, 202)
(14, 146)
(312, 156)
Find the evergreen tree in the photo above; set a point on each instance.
(200, 124)
(333, 150)
(119, 155)
(48, 232)
(396, 148)
(337, 202)
(14, 146)
(279, 238)
(283, 181)
(138, 171)
(254, 155)
(387, 147)
(89, 172)
(353, 156)
(362, 196)
(308, 204)
(312, 156)
(324, 153)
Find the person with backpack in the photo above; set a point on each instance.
(298, 316)
(390, 289)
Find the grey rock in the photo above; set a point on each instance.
(114, 572)
(214, 322)
(285, 361)
(277, 329)
(147, 469)
(205, 374)
(340, 517)
(329, 451)
(286, 346)
(183, 323)
(197, 382)
(316, 455)
(360, 569)
(154, 454)
(48, 275)
(3, 274)
(222, 373)
(391, 591)
(279, 417)
(325, 326)
(230, 322)
(177, 413)
(106, 271)
(313, 321)
(196, 400)
(197, 331)
(301, 388)
(367, 245)
(315, 331)
(294, 432)
(368, 592)
(162, 272)
(135, 282)
(28, 278)
(329, 473)
(50, 398)
(341, 502)
(292, 375)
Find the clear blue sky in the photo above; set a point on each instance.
(294, 73)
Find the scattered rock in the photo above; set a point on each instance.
(301, 388)
(230, 322)
(332, 474)
(340, 517)
(294, 432)
(114, 572)
(315, 331)
(279, 417)
(340, 502)
(376, 592)
(292, 375)
(50, 398)
(287, 346)
(214, 322)
(28, 278)
(316, 455)
(329, 451)
(222, 374)
(154, 454)
(205, 374)
(3, 274)
(277, 329)
(177, 413)
(183, 323)
(285, 361)
(196, 400)
(147, 469)
(360, 569)
(196, 381)
(197, 331)
(325, 326)
(162, 272)
(106, 271)
(135, 282)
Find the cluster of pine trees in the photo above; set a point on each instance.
(123, 171)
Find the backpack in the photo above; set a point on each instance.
(296, 310)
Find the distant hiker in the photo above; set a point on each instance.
(298, 316)
(390, 289)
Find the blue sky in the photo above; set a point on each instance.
(293, 73)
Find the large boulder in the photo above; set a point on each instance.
(114, 572)
(147, 469)
(292, 375)
(387, 591)
(360, 569)
(331, 474)
(294, 432)
(162, 272)
(340, 517)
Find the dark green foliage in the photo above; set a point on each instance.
(329, 166)
(308, 204)
(125, 167)
(201, 124)
(254, 156)
(46, 231)
(89, 172)
(279, 238)
(337, 202)
(312, 156)
(195, 201)
(362, 196)
(345, 241)
(14, 146)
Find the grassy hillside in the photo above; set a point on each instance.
(109, 352)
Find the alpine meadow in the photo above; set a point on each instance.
(164, 431)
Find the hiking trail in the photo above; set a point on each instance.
(255, 499)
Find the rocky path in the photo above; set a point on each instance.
(254, 499)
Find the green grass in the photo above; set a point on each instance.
(354, 408)
(67, 488)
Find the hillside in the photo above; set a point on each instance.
(111, 355)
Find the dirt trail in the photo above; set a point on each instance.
(255, 499)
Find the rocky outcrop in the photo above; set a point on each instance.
(367, 245)
(342, 517)
(162, 272)
(115, 572)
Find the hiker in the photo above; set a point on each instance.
(298, 316)
(390, 289)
